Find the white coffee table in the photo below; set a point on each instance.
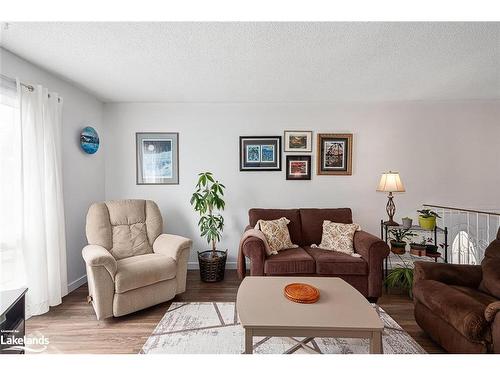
(340, 312)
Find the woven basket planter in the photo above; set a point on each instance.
(212, 268)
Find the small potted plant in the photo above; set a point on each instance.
(431, 248)
(427, 219)
(418, 248)
(401, 277)
(207, 200)
(407, 222)
(398, 237)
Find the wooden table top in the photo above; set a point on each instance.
(261, 304)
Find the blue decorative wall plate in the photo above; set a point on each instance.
(89, 140)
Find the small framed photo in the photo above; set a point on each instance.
(298, 167)
(260, 153)
(298, 141)
(157, 158)
(334, 154)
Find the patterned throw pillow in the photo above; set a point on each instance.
(276, 233)
(338, 237)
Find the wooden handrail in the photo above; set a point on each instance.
(463, 209)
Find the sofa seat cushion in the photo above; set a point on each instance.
(330, 262)
(290, 261)
(142, 270)
(460, 307)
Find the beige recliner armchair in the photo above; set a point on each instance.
(130, 264)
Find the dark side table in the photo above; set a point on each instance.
(12, 320)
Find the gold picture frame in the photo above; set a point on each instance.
(334, 154)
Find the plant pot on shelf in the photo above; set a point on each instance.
(397, 247)
(212, 265)
(417, 249)
(431, 249)
(428, 223)
(406, 222)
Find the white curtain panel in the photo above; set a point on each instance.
(41, 246)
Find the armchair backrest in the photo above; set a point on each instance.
(125, 228)
(491, 268)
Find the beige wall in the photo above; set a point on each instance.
(446, 152)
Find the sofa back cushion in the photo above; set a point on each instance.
(491, 269)
(312, 222)
(294, 227)
(125, 227)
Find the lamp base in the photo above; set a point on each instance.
(391, 223)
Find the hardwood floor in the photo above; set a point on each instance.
(72, 326)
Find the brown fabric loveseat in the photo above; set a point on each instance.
(306, 227)
(459, 305)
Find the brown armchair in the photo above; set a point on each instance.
(305, 227)
(457, 305)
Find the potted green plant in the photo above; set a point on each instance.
(401, 277)
(407, 222)
(207, 201)
(427, 219)
(430, 247)
(398, 237)
(418, 248)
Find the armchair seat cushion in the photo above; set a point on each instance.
(336, 263)
(142, 270)
(461, 307)
(290, 261)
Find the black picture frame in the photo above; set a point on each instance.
(255, 158)
(290, 159)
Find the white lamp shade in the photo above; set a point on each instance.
(391, 182)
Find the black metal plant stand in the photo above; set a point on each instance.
(384, 234)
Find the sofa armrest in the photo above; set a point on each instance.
(369, 246)
(95, 255)
(254, 249)
(171, 245)
(451, 274)
(373, 250)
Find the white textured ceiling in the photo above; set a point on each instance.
(267, 62)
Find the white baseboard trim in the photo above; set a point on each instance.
(195, 266)
(77, 283)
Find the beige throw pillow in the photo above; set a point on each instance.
(276, 233)
(338, 237)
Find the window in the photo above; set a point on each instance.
(463, 250)
(11, 262)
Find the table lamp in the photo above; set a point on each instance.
(390, 182)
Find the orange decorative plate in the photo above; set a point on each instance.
(301, 293)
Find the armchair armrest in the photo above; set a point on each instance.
(454, 274)
(178, 248)
(95, 255)
(171, 245)
(373, 250)
(491, 311)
